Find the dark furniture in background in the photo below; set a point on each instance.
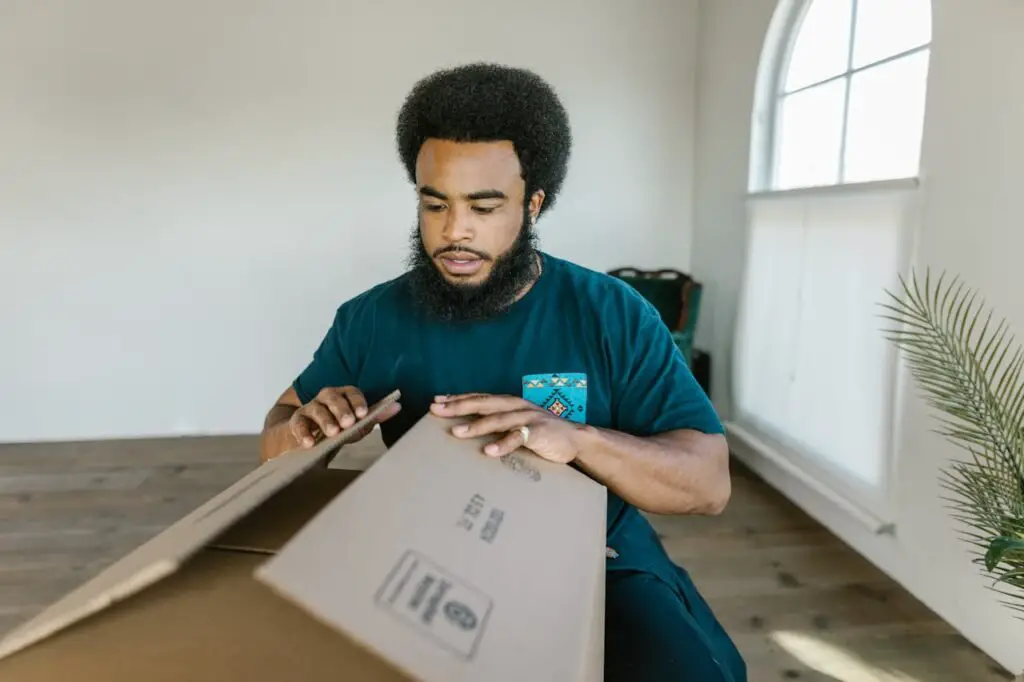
(702, 369)
(677, 297)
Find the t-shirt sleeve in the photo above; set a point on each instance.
(332, 363)
(656, 390)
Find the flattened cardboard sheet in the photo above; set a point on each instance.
(267, 528)
(209, 622)
(594, 653)
(454, 565)
(362, 454)
(164, 553)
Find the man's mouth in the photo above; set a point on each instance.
(461, 263)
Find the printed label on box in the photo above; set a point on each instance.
(478, 512)
(436, 603)
(519, 465)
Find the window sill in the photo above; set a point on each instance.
(757, 453)
(845, 189)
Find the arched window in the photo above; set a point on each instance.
(837, 131)
(845, 102)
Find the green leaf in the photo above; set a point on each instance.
(1014, 577)
(999, 547)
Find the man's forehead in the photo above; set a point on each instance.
(467, 162)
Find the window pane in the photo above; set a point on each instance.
(769, 315)
(811, 368)
(886, 119)
(822, 47)
(810, 135)
(888, 27)
(839, 401)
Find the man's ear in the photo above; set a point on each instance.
(536, 201)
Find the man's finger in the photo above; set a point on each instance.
(300, 427)
(357, 400)
(497, 423)
(322, 417)
(503, 446)
(364, 431)
(389, 412)
(340, 407)
(449, 398)
(483, 405)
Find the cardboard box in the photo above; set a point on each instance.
(437, 563)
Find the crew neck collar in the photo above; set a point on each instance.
(526, 300)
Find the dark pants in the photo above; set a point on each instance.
(661, 632)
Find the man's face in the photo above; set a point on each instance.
(471, 199)
(473, 249)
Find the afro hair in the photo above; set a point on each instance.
(489, 103)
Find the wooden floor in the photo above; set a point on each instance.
(800, 604)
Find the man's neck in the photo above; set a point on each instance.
(539, 263)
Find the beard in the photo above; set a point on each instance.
(511, 272)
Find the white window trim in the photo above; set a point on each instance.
(778, 43)
(764, 448)
(843, 189)
(769, 91)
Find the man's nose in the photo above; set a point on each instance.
(458, 226)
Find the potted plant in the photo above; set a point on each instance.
(970, 369)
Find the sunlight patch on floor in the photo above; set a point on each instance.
(835, 661)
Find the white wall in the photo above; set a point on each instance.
(730, 36)
(189, 189)
(972, 155)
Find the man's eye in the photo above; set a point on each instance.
(433, 208)
(485, 209)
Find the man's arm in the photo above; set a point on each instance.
(668, 452)
(683, 471)
(677, 472)
(277, 436)
(321, 401)
(291, 424)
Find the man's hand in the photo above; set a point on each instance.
(675, 472)
(550, 437)
(332, 411)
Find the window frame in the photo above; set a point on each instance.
(770, 92)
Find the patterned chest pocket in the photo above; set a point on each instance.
(563, 395)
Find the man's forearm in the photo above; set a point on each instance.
(277, 436)
(682, 472)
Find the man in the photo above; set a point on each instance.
(541, 353)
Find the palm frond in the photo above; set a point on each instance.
(969, 369)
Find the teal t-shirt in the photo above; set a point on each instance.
(580, 343)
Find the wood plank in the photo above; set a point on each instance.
(175, 478)
(108, 538)
(910, 657)
(145, 451)
(739, 545)
(820, 610)
(72, 480)
(60, 506)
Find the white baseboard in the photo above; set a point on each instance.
(762, 457)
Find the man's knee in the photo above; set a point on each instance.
(651, 634)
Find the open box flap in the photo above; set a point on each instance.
(209, 621)
(452, 565)
(164, 553)
(268, 527)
